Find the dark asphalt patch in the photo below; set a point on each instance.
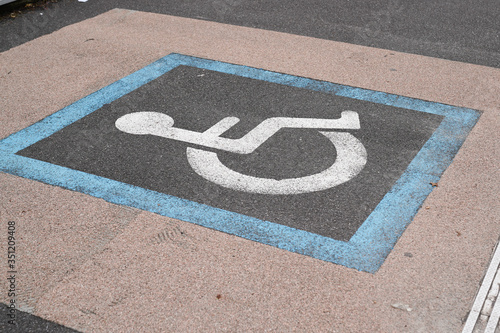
(465, 30)
(28, 323)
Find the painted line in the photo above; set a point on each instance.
(483, 293)
(365, 251)
(494, 317)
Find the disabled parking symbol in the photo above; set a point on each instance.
(350, 159)
(316, 168)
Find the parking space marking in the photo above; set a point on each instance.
(366, 250)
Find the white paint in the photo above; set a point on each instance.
(482, 293)
(491, 297)
(351, 158)
(160, 124)
(494, 315)
(351, 154)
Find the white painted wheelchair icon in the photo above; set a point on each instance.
(351, 154)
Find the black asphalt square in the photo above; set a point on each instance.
(197, 99)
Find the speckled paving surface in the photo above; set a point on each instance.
(94, 266)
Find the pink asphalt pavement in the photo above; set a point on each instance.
(99, 267)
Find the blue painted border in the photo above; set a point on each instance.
(367, 248)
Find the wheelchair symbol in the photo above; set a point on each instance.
(350, 160)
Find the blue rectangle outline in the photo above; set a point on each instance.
(367, 248)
